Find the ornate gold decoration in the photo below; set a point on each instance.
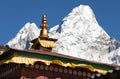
(44, 32)
(46, 43)
(27, 61)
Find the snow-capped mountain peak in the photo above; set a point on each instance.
(80, 35)
(84, 12)
(80, 19)
(29, 32)
(80, 29)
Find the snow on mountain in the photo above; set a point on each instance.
(114, 44)
(24, 36)
(79, 35)
(114, 56)
(53, 32)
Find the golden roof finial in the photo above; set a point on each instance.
(44, 26)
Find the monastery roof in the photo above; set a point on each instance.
(45, 42)
(29, 56)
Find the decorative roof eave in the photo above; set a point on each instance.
(50, 56)
(110, 74)
(45, 43)
(51, 39)
(28, 61)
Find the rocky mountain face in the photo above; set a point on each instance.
(79, 35)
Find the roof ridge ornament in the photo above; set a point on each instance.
(44, 26)
(43, 42)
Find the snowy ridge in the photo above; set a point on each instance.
(24, 36)
(114, 56)
(79, 35)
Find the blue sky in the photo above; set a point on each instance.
(14, 14)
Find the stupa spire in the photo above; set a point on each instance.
(44, 26)
(43, 42)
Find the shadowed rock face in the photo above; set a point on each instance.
(3, 49)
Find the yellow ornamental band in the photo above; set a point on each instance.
(27, 61)
(45, 43)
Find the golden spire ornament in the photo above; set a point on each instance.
(44, 26)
